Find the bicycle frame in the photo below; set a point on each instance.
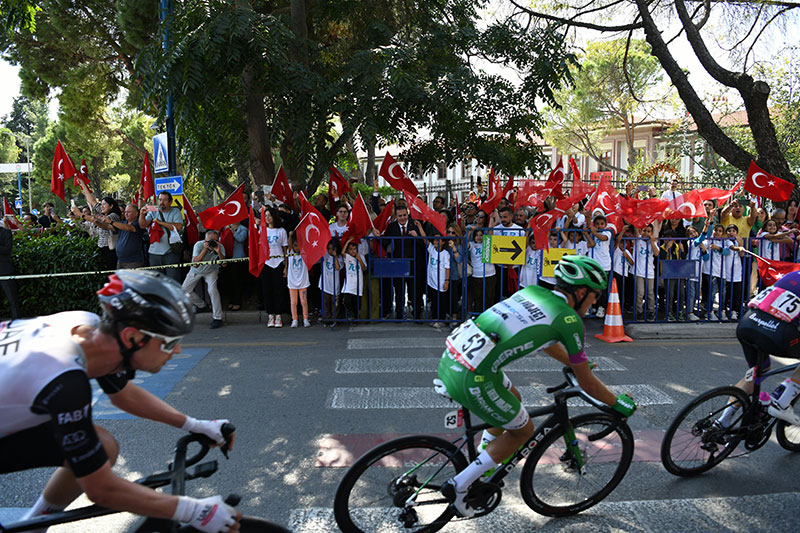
(177, 476)
(750, 416)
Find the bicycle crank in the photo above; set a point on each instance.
(484, 498)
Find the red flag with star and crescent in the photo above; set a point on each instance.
(541, 225)
(393, 173)
(766, 185)
(359, 224)
(63, 169)
(254, 262)
(146, 179)
(494, 195)
(555, 181)
(192, 234)
(12, 221)
(382, 220)
(771, 271)
(338, 185)
(230, 211)
(313, 235)
(282, 190)
(605, 197)
(420, 211)
(720, 195)
(687, 205)
(83, 174)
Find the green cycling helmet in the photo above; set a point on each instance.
(575, 271)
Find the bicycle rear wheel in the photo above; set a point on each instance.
(552, 485)
(788, 435)
(395, 487)
(693, 442)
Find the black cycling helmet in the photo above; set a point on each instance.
(147, 300)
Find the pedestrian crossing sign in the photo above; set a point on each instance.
(160, 153)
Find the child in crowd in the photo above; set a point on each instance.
(623, 261)
(575, 238)
(548, 282)
(353, 280)
(695, 250)
(438, 280)
(603, 238)
(770, 241)
(482, 279)
(645, 251)
(329, 282)
(529, 273)
(732, 275)
(716, 251)
(454, 246)
(297, 281)
(670, 250)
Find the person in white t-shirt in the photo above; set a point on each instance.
(273, 275)
(645, 252)
(732, 275)
(329, 282)
(529, 273)
(353, 280)
(505, 286)
(482, 279)
(601, 252)
(297, 281)
(438, 275)
(339, 226)
(673, 193)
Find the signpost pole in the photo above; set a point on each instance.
(165, 12)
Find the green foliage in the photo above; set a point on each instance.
(62, 249)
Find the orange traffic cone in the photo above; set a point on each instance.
(613, 330)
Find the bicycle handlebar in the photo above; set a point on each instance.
(576, 390)
(205, 445)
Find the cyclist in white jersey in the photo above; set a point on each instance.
(46, 399)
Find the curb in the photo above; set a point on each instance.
(708, 330)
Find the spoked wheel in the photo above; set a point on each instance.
(788, 436)
(395, 487)
(555, 482)
(695, 441)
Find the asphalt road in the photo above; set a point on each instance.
(309, 399)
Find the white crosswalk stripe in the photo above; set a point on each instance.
(398, 343)
(426, 398)
(708, 514)
(381, 365)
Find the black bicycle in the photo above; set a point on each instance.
(572, 464)
(176, 476)
(696, 441)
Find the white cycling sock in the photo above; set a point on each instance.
(791, 390)
(727, 414)
(42, 507)
(486, 438)
(473, 471)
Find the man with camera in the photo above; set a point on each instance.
(209, 249)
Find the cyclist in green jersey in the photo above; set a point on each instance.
(531, 320)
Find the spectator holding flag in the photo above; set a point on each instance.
(297, 280)
(104, 213)
(273, 276)
(163, 220)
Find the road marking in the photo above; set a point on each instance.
(340, 451)
(381, 365)
(264, 343)
(426, 398)
(399, 343)
(731, 513)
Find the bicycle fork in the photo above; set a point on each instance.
(573, 453)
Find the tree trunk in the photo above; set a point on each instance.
(359, 171)
(262, 166)
(372, 171)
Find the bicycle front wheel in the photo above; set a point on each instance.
(395, 487)
(695, 441)
(554, 482)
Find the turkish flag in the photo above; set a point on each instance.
(687, 205)
(495, 195)
(541, 224)
(359, 224)
(146, 179)
(227, 212)
(642, 212)
(531, 193)
(766, 185)
(254, 262)
(606, 198)
(382, 220)
(338, 184)
(12, 222)
(721, 195)
(192, 234)
(305, 206)
(82, 174)
(420, 210)
(580, 190)
(313, 235)
(281, 189)
(393, 173)
(509, 187)
(135, 199)
(555, 181)
(574, 166)
(772, 271)
(226, 239)
(156, 232)
(263, 241)
(63, 169)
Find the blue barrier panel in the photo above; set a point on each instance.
(391, 268)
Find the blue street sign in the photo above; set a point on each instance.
(18, 204)
(160, 153)
(171, 184)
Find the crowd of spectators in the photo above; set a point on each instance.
(425, 277)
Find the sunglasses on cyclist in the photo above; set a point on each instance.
(167, 343)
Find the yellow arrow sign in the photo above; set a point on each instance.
(551, 258)
(504, 249)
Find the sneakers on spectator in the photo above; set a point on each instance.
(693, 317)
(216, 324)
(278, 322)
(457, 499)
(712, 316)
(601, 312)
(723, 315)
(651, 316)
(294, 324)
(271, 321)
(306, 323)
(670, 317)
(734, 315)
(787, 415)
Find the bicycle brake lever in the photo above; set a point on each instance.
(228, 430)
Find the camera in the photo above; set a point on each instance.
(212, 243)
